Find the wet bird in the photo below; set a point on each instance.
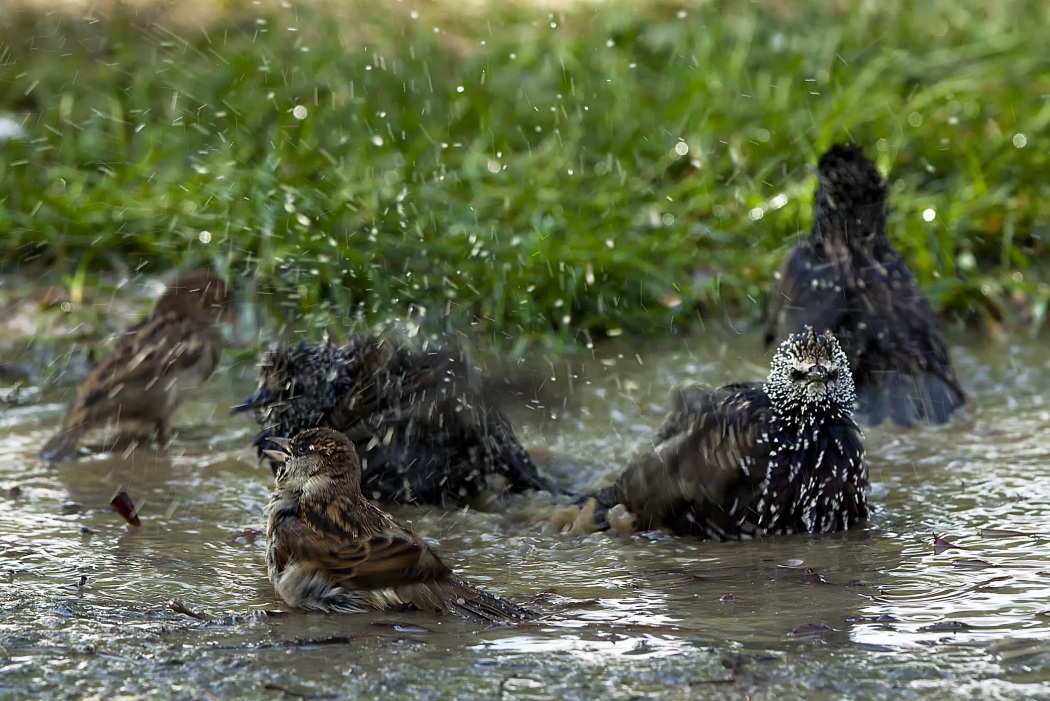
(330, 549)
(152, 367)
(755, 459)
(847, 277)
(419, 415)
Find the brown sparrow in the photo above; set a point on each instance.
(330, 549)
(152, 367)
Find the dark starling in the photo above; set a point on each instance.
(329, 549)
(418, 415)
(152, 367)
(848, 278)
(754, 459)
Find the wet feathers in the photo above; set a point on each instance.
(847, 277)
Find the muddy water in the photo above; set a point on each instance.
(84, 600)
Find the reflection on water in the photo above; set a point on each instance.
(85, 601)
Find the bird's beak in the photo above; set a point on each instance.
(261, 397)
(283, 452)
(817, 373)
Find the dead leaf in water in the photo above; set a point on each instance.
(1005, 533)
(123, 505)
(972, 563)
(811, 630)
(296, 695)
(940, 545)
(248, 536)
(178, 606)
(943, 626)
(814, 577)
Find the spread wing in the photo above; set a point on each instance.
(705, 463)
(332, 541)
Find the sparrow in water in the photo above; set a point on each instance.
(847, 277)
(754, 459)
(152, 367)
(423, 420)
(330, 549)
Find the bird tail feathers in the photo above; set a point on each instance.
(475, 604)
(63, 445)
(907, 399)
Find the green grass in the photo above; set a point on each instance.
(515, 171)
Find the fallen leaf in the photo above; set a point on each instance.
(814, 577)
(123, 505)
(178, 606)
(944, 626)
(1005, 533)
(973, 563)
(940, 545)
(811, 630)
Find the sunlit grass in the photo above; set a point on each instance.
(525, 172)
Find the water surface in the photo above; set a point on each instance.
(85, 601)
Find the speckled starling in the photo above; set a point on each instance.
(329, 549)
(754, 459)
(417, 413)
(152, 367)
(847, 277)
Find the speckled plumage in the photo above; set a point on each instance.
(848, 278)
(152, 367)
(329, 549)
(416, 413)
(754, 459)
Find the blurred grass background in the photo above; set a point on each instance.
(529, 171)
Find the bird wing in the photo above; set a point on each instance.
(704, 458)
(373, 552)
(800, 296)
(393, 381)
(149, 351)
(906, 372)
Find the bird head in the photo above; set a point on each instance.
(810, 374)
(297, 386)
(197, 293)
(851, 195)
(313, 457)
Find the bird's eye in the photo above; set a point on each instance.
(797, 374)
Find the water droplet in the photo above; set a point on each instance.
(377, 140)
(299, 112)
(681, 148)
(1020, 140)
(756, 214)
(915, 119)
(204, 237)
(493, 165)
(460, 88)
(929, 214)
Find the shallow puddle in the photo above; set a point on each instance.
(85, 601)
